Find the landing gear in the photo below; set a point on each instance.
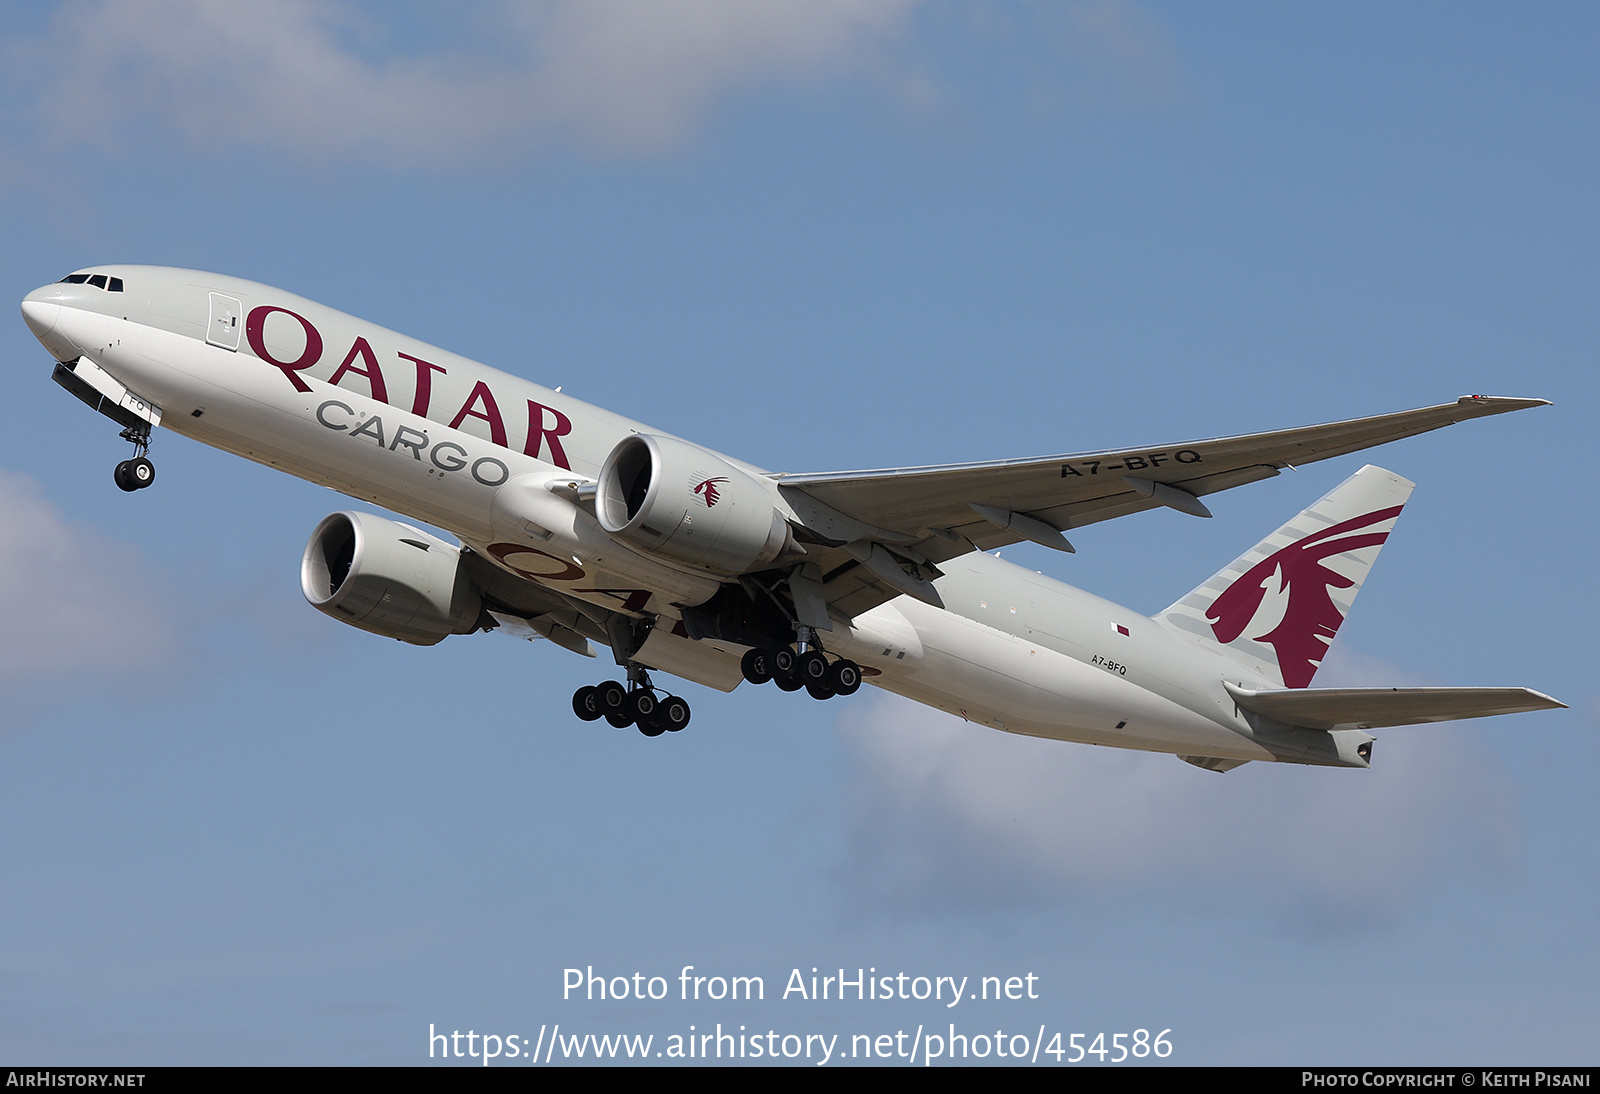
(673, 713)
(755, 666)
(642, 706)
(638, 705)
(812, 668)
(135, 474)
(139, 472)
(844, 677)
(807, 668)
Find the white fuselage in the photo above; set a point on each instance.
(443, 439)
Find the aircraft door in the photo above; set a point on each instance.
(226, 321)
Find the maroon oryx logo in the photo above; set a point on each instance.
(707, 488)
(1311, 618)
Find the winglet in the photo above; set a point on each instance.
(1483, 405)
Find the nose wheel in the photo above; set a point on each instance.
(139, 472)
(134, 474)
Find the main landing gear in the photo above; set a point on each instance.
(808, 668)
(139, 472)
(638, 704)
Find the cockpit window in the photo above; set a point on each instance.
(99, 281)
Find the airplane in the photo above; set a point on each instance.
(580, 526)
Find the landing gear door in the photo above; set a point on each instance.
(226, 321)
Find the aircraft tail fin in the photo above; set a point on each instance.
(1278, 606)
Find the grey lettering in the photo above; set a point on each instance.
(453, 463)
(416, 442)
(372, 427)
(505, 472)
(324, 420)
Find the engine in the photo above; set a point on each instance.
(680, 501)
(388, 578)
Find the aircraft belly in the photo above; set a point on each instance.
(882, 640)
(998, 679)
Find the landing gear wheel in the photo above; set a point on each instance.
(652, 728)
(755, 666)
(812, 667)
(781, 662)
(120, 477)
(642, 705)
(819, 691)
(586, 704)
(619, 721)
(612, 698)
(673, 713)
(141, 472)
(788, 683)
(844, 676)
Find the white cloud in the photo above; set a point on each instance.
(1346, 667)
(72, 601)
(621, 76)
(639, 75)
(948, 814)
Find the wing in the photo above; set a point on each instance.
(525, 609)
(878, 534)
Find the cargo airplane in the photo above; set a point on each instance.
(580, 526)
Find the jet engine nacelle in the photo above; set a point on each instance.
(388, 578)
(680, 501)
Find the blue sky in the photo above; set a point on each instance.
(818, 236)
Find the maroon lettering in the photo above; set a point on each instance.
(425, 371)
(255, 328)
(372, 372)
(540, 431)
(490, 413)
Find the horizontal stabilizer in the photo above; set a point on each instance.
(1370, 708)
(1213, 763)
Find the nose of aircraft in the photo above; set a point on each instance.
(40, 310)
